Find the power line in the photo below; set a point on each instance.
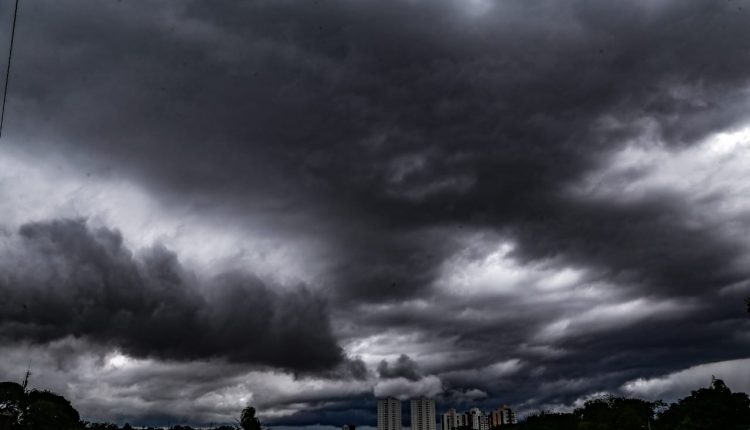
(7, 70)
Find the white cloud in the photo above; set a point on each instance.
(484, 374)
(108, 385)
(709, 177)
(484, 265)
(736, 374)
(607, 316)
(40, 189)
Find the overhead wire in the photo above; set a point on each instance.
(7, 69)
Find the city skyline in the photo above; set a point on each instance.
(424, 417)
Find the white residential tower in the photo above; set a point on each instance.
(422, 414)
(389, 414)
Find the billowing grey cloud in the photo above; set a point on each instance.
(403, 367)
(484, 124)
(63, 278)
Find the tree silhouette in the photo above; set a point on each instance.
(49, 411)
(549, 421)
(248, 420)
(712, 408)
(37, 410)
(616, 413)
(11, 404)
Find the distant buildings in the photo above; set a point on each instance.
(389, 414)
(423, 414)
(348, 427)
(502, 416)
(452, 420)
(475, 419)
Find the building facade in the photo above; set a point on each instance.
(477, 420)
(502, 416)
(452, 420)
(423, 414)
(473, 419)
(389, 414)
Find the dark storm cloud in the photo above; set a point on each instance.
(550, 371)
(345, 411)
(386, 130)
(373, 135)
(348, 369)
(402, 367)
(642, 243)
(71, 280)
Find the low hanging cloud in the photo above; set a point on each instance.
(403, 388)
(63, 278)
(402, 367)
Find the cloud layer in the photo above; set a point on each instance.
(61, 278)
(306, 205)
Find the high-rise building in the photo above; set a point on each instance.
(502, 416)
(477, 420)
(473, 419)
(389, 414)
(423, 414)
(484, 421)
(452, 420)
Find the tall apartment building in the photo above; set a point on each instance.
(502, 416)
(423, 414)
(477, 420)
(389, 414)
(452, 420)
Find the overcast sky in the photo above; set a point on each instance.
(304, 205)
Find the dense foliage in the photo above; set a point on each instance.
(711, 408)
(35, 410)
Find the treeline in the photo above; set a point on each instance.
(711, 408)
(22, 409)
